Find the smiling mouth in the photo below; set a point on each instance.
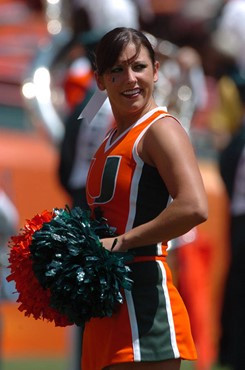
(131, 93)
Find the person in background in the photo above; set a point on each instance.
(232, 169)
(228, 39)
(146, 182)
(81, 139)
(101, 16)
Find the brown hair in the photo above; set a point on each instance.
(113, 42)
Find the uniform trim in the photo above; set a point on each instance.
(150, 113)
(169, 311)
(134, 326)
(159, 249)
(133, 195)
(135, 151)
(108, 144)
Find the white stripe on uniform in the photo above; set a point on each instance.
(169, 311)
(134, 326)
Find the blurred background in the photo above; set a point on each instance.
(46, 78)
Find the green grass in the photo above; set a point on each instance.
(35, 364)
(62, 364)
(187, 365)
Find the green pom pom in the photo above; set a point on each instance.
(84, 278)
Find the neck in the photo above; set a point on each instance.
(124, 121)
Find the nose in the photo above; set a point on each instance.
(130, 75)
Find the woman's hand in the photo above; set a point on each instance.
(112, 244)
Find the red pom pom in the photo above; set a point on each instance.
(33, 299)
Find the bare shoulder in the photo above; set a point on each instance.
(165, 128)
(166, 138)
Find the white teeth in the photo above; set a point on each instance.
(132, 92)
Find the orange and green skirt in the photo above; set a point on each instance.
(151, 325)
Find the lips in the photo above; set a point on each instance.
(131, 92)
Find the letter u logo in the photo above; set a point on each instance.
(107, 181)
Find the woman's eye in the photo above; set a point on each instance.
(116, 69)
(139, 67)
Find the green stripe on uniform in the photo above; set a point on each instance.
(151, 312)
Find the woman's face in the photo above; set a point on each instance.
(130, 82)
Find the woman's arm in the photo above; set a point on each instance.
(167, 147)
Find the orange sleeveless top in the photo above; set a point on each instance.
(128, 191)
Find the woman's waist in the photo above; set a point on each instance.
(157, 249)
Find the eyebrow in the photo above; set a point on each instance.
(130, 61)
